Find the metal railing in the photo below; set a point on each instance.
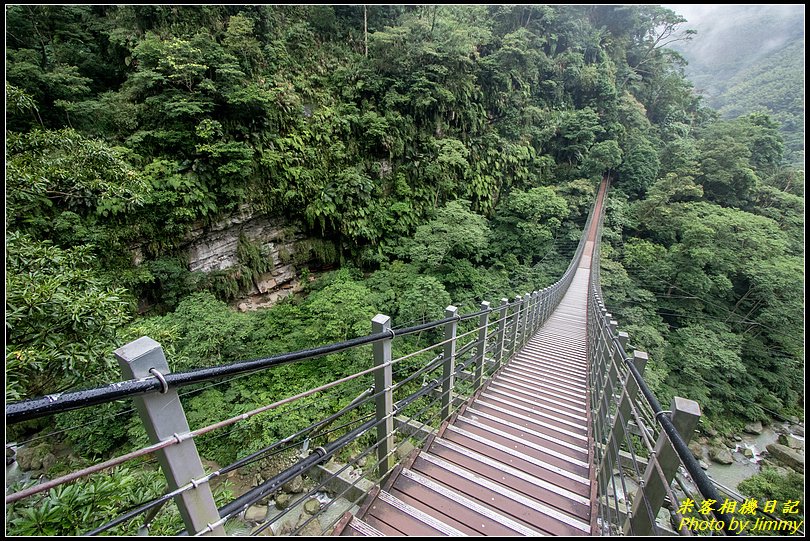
(390, 409)
(638, 447)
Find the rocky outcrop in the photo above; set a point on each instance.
(213, 247)
(787, 456)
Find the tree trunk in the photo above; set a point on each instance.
(365, 28)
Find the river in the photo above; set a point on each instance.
(732, 474)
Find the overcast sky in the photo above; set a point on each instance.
(694, 13)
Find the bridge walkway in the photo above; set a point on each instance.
(516, 459)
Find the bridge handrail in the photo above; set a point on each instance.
(33, 408)
(599, 317)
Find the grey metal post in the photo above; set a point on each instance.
(608, 346)
(527, 303)
(614, 325)
(515, 324)
(541, 304)
(164, 419)
(598, 359)
(483, 320)
(650, 495)
(383, 380)
(537, 305)
(501, 333)
(533, 312)
(527, 327)
(622, 418)
(448, 372)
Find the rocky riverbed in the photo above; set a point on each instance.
(730, 461)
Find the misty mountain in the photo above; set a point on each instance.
(749, 58)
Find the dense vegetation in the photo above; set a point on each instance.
(451, 153)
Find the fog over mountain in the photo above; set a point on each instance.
(730, 38)
(747, 58)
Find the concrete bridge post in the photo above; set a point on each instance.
(163, 417)
(501, 343)
(685, 415)
(449, 365)
(621, 420)
(535, 305)
(515, 325)
(527, 312)
(483, 324)
(383, 381)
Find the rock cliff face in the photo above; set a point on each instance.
(214, 248)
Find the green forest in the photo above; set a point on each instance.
(431, 154)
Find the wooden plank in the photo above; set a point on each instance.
(507, 501)
(515, 479)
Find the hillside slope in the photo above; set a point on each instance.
(745, 59)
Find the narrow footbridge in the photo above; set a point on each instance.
(516, 458)
(531, 417)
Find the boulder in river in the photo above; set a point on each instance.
(697, 449)
(30, 458)
(721, 455)
(791, 441)
(312, 506)
(256, 513)
(787, 456)
(283, 500)
(753, 428)
(294, 485)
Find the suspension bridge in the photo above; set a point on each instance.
(531, 417)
